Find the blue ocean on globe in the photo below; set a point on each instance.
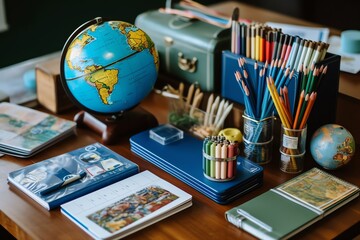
(109, 66)
(332, 146)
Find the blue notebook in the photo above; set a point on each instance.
(183, 159)
(65, 177)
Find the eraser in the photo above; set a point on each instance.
(350, 41)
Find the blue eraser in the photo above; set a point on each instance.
(350, 41)
(30, 79)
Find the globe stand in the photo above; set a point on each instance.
(110, 128)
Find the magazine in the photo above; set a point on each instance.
(25, 131)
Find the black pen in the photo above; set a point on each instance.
(68, 179)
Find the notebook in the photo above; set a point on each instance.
(183, 160)
(287, 209)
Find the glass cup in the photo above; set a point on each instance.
(292, 149)
(258, 139)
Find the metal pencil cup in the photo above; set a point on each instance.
(292, 149)
(258, 139)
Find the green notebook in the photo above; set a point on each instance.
(283, 211)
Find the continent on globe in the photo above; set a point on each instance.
(108, 66)
(332, 146)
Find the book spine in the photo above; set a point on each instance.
(234, 218)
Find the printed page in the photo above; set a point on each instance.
(123, 207)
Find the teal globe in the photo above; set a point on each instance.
(108, 66)
(332, 146)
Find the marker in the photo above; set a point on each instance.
(223, 164)
(212, 162)
(217, 161)
(231, 153)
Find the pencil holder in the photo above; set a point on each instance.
(258, 139)
(219, 158)
(191, 119)
(292, 149)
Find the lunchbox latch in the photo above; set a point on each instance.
(185, 64)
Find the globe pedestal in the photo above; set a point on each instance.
(131, 122)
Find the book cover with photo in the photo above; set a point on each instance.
(65, 177)
(126, 206)
(25, 131)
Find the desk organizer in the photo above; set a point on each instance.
(324, 110)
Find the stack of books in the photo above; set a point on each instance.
(184, 158)
(25, 131)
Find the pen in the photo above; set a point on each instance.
(234, 30)
(66, 180)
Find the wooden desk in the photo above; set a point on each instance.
(25, 219)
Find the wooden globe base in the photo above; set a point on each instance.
(131, 122)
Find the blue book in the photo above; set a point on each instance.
(183, 159)
(65, 177)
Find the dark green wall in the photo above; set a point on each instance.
(39, 27)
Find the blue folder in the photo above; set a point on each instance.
(183, 160)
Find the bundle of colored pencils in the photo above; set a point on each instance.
(258, 104)
(310, 81)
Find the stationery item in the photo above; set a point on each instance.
(221, 157)
(126, 206)
(292, 149)
(62, 178)
(323, 110)
(184, 160)
(166, 134)
(258, 139)
(287, 209)
(25, 131)
(312, 33)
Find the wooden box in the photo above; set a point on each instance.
(50, 92)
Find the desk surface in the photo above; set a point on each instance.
(25, 219)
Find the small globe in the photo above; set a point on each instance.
(332, 146)
(108, 66)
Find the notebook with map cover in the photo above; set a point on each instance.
(283, 211)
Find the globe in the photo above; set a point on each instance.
(108, 66)
(332, 146)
